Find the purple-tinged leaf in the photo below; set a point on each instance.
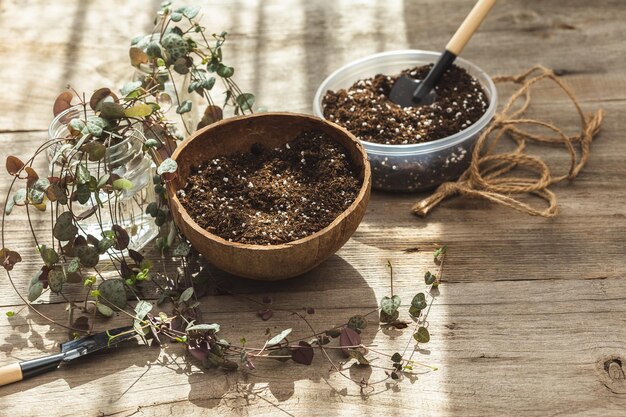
(303, 353)
(348, 339)
(122, 239)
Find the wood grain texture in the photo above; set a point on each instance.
(530, 319)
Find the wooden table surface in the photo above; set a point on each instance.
(531, 316)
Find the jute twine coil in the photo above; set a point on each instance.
(490, 175)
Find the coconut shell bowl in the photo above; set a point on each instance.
(266, 262)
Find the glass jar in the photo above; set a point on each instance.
(172, 90)
(125, 159)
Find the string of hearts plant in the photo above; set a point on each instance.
(179, 45)
(85, 185)
(82, 185)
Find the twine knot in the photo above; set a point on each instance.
(491, 175)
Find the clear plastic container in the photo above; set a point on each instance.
(416, 167)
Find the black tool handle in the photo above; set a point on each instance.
(434, 75)
(454, 48)
(39, 366)
(28, 369)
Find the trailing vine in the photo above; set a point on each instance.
(91, 240)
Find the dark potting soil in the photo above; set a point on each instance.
(366, 110)
(273, 196)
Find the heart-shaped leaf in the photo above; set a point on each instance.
(9, 258)
(245, 101)
(34, 291)
(419, 301)
(62, 103)
(87, 213)
(184, 107)
(88, 256)
(176, 16)
(105, 310)
(77, 127)
(56, 193)
(14, 165)
(357, 323)
(122, 239)
(279, 337)
(56, 278)
(112, 111)
(104, 245)
(349, 339)
(103, 180)
(130, 87)
(224, 71)
(167, 166)
(180, 66)
(181, 249)
(19, 198)
(136, 256)
(48, 255)
(390, 304)
(82, 194)
(96, 151)
(96, 126)
(386, 318)
(211, 115)
(208, 83)
(186, 295)
(190, 12)
(303, 353)
(139, 110)
(422, 335)
(137, 56)
(73, 265)
(98, 96)
(122, 184)
(37, 192)
(64, 229)
(31, 176)
(415, 312)
(82, 174)
(113, 292)
(142, 308)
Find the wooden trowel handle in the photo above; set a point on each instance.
(469, 26)
(27, 369)
(10, 373)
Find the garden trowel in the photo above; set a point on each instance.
(409, 92)
(69, 351)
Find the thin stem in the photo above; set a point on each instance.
(390, 275)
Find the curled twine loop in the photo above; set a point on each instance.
(488, 175)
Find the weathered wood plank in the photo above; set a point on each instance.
(288, 58)
(530, 319)
(515, 348)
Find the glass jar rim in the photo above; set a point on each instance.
(58, 123)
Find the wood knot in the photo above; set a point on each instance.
(613, 367)
(612, 374)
